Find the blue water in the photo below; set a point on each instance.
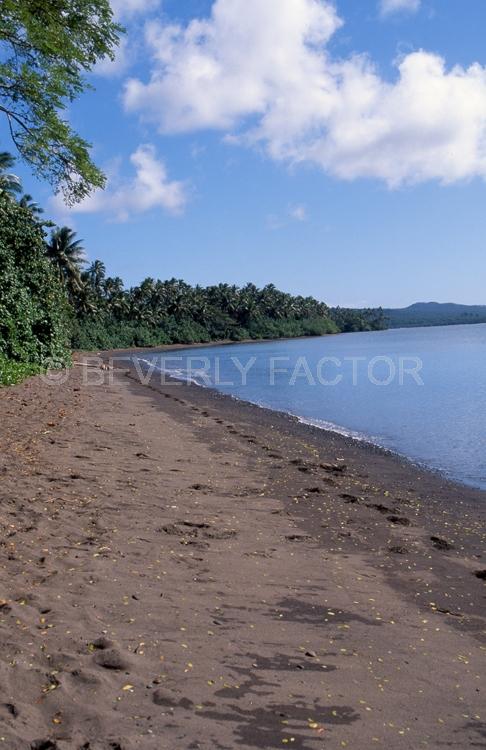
(424, 397)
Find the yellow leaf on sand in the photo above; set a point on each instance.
(127, 687)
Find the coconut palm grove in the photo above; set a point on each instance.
(53, 300)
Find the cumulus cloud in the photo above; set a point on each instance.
(130, 12)
(214, 72)
(262, 73)
(388, 7)
(149, 188)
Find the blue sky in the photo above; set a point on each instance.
(281, 143)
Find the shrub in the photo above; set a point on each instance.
(33, 306)
(13, 372)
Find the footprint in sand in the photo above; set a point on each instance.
(304, 469)
(107, 655)
(399, 520)
(180, 528)
(298, 538)
(334, 468)
(164, 698)
(350, 498)
(111, 658)
(441, 544)
(197, 530)
(220, 534)
(10, 709)
(379, 507)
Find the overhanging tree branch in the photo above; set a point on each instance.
(45, 50)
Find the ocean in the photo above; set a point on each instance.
(419, 392)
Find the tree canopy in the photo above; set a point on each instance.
(50, 298)
(46, 49)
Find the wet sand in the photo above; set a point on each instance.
(180, 570)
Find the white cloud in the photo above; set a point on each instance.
(387, 7)
(150, 188)
(299, 213)
(128, 8)
(123, 59)
(214, 72)
(261, 73)
(126, 12)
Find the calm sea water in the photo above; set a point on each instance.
(420, 392)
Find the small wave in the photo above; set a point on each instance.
(191, 376)
(322, 424)
(187, 376)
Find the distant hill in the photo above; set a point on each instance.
(435, 314)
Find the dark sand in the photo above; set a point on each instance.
(181, 571)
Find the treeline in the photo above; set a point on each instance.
(52, 300)
(435, 314)
(169, 312)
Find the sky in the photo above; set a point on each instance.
(332, 149)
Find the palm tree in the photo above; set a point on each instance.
(96, 274)
(116, 298)
(67, 255)
(30, 204)
(10, 184)
(83, 299)
(248, 304)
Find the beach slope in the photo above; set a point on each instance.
(178, 570)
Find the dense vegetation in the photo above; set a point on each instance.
(435, 314)
(33, 306)
(12, 372)
(165, 312)
(51, 299)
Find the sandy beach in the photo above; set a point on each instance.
(180, 570)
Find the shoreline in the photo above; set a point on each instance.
(180, 569)
(339, 430)
(113, 353)
(470, 494)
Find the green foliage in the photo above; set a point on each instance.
(90, 333)
(349, 320)
(46, 49)
(10, 184)
(48, 301)
(32, 302)
(67, 256)
(173, 312)
(15, 372)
